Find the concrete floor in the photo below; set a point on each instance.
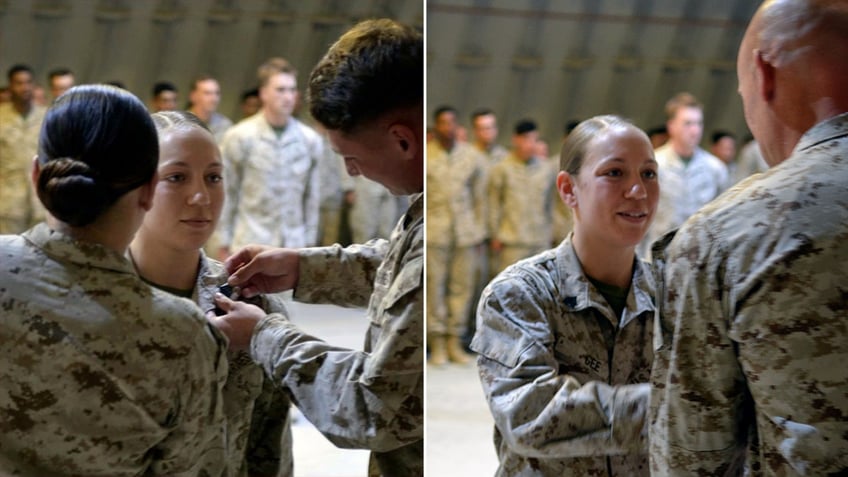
(458, 431)
(458, 435)
(314, 455)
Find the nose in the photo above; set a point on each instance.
(199, 196)
(636, 190)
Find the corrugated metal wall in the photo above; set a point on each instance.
(140, 42)
(557, 60)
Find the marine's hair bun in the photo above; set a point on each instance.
(69, 189)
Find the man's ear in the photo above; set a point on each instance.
(145, 195)
(765, 76)
(405, 139)
(566, 186)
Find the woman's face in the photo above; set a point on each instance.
(190, 190)
(615, 195)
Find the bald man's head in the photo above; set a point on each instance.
(792, 68)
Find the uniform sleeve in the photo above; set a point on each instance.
(478, 194)
(312, 200)
(232, 157)
(356, 399)
(699, 387)
(340, 276)
(494, 201)
(538, 411)
(198, 435)
(757, 351)
(269, 443)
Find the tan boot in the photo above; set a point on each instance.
(456, 354)
(438, 352)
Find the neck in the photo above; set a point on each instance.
(110, 238)
(113, 229)
(683, 150)
(276, 120)
(613, 266)
(482, 146)
(204, 116)
(164, 265)
(446, 143)
(22, 107)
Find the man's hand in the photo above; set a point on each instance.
(259, 269)
(238, 321)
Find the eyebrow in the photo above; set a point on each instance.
(185, 164)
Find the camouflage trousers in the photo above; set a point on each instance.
(450, 285)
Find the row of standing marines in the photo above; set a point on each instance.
(720, 357)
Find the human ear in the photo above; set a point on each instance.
(765, 76)
(405, 140)
(145, 196)
(566, 187)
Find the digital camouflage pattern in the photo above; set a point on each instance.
(751, 371)
(258, 426)
(520, 201)
(370, 399)
(272, 185)
(19, 206)
(565, 379)
(684, 188)
(456, 195)
(456, 223)
(100, 374)
(520, 205)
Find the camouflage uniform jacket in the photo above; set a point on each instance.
(520, 205)
(684, 188)
(751, 362)
(371, 399)
(19, 206)
(272, 184)
(101, 374)
(219, 125)
(566, 380)
(456, 195)
(257, 411)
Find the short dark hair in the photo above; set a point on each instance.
(15, 69)
(97, 143)
(375, 67)
(720, 133)
(525, 126)
(570, 125)
(442, 110)
(161, 86)
(657, 130)
(62, 71)
(249, 93)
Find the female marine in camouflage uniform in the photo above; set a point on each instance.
(167, 254)
(564, 337)
(100, 374)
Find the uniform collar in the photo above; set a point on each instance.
(65, 248)
(415, 210)
(824, 131)
(577, 292)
